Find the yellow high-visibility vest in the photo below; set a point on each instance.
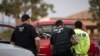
(84, 42)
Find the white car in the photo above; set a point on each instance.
(11, 50)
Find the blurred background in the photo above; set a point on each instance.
(88, 11)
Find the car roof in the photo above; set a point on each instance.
(52, 22)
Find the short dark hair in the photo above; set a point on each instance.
(78, 24)
(59, 22)
(25, 17)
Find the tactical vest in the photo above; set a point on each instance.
(61, 39)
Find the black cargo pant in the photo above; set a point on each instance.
(65, 53)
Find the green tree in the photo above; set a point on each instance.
(42, 10)
(38, 8)
(10, 7)
(95, 10)
(13, 7)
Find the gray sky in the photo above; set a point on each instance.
(66, 8)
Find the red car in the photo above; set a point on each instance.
(44, 28)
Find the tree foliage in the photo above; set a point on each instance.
(95, 10)
(10, 7)
(14, 7)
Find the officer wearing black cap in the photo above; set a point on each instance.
(61, 39)
(25, 35)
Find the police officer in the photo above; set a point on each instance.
(60, 39)
(25, 35)
(82, 47)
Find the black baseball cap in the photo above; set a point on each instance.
(78, 24)
(59, 22)
(25, 17)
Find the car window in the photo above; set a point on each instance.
(44, 28)
(49, 28)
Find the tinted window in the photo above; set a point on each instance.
(49, 28)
